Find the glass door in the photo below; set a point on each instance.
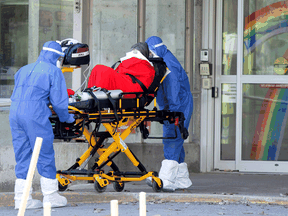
(251, 73)
(262, 86)
(226, 70)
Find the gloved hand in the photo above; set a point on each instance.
(71, 118)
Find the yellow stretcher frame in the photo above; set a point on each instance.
(100, 179)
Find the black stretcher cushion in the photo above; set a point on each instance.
(130, 103)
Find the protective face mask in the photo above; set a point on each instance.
(153, 54)
(60, 60)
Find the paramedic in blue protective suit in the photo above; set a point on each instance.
(36, 86)
(174, 95)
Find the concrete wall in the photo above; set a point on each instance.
(7, 159)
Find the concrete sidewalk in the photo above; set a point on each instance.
(215, 187)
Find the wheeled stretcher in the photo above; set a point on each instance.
(112, 109)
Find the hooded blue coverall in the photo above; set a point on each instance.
(174, 94)
(36, 86)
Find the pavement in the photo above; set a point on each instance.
(214, 187)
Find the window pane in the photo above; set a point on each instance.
(229, 56)
(114, 30)
(55, 23)
(265, 37)
(228, 122)
(265, 134)
(166, 19)
(14, 43)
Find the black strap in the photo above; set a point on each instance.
(134, 80)
(113, 66)
(90, 91)
(113, 102)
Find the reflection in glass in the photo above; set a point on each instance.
(265, 36)
(55, 20)
(264, 118)
(228, 121)
(55, 23)
(229, 41)
(14, 43)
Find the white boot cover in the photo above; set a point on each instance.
(49, 189)
(18, 190)
(182, 179)
(167, 174)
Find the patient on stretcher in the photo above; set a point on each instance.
(134, 73)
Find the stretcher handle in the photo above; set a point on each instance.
(80, 116)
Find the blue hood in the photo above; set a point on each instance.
(51, 56)
(156, 45)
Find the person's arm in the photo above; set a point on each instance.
(171, 87)
(15, 84)
(59, 96)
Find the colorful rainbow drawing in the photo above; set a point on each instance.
(259, 27)
(264, 24)
(271, 125)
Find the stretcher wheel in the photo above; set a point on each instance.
(156, 187)
(118, 186)
(61, 187)
(99, 188)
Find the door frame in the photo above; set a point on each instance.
(219, 80)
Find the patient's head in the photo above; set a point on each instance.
(142, 47)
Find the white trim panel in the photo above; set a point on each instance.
(263, 166)
(238, 148)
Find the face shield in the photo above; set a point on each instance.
(153, 52)
(60, 60)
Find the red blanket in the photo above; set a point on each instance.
(110, 79)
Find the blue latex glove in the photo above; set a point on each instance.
(71, 118)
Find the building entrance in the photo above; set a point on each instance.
(252, 109)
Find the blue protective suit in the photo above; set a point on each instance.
(36, 86)
(174, 95)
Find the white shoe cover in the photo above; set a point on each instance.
(167, 174)
(49, 189)
(19, 189)
(31, 204)
(182, 179)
